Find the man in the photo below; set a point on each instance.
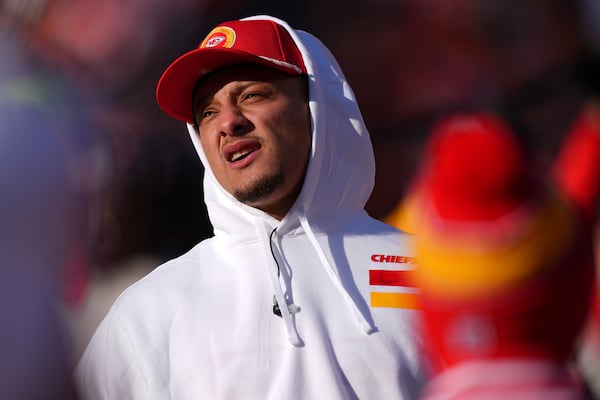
(299, 294)
(506, 265)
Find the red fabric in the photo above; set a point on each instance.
(390, 277)
(578, 164)
(478, 170)
(539, 319)
(235, 42)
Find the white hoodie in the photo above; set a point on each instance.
(202, 326)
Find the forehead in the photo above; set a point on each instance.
(237, 73)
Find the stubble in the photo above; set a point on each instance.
(260, 189)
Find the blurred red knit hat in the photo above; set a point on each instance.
(254, 41)
(499, 269)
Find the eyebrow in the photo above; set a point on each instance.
(204, 100)
(198, 103)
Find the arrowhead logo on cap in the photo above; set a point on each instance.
(263, 42)
(222, 36)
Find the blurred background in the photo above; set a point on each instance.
(98, 186)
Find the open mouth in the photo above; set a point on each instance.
(240, 150)
(240, 155)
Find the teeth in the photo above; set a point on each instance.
(239, 155)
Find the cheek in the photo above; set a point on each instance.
(210, 147)
(301, 134)
(295, 119)
(297, 142)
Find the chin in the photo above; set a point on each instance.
(261, 192)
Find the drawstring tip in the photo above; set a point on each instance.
(369, 328)
(293, 309)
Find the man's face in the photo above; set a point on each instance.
(254, 126)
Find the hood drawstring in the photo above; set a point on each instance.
(286, 311)
(280, 304)
(366, 326)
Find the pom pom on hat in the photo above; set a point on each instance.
(478, 171)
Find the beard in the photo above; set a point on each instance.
(260, 189)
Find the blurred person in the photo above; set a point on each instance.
(41, 223)
(506, 265)
(299, 293)
(106, 49)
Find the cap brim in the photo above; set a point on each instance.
(176, 85)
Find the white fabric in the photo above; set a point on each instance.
(202, 327)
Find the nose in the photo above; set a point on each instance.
(232, 121)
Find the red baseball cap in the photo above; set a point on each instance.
(253, 41)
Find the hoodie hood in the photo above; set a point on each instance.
(341, 169)
(338, 182)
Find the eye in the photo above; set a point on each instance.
(251, 95)
(256, 92)
(205, 114)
